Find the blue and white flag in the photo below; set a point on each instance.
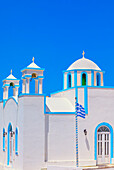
(80, 110)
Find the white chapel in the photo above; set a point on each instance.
(39, 131)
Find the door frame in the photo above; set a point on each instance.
(111, 140)
(103, 156)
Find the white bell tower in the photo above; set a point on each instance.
(32, 72)
(13, 82)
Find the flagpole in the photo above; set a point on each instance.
(76, 120)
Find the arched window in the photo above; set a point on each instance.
(83, 79)
(32, 83)
(16, 141)
(10, 145)
(69, 80)
(98, 79)
(11, 89)
(3, 139)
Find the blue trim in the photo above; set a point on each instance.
(99, 77)
(26, 68)
(60, 113)
(95, 87)
(9, 86)
(82, 70)
(61, 90)
(86, 78)
(16, 141)
(75, 78)
(5, 85)
(3, 140)
(30, 76)
(8, 143)
(44, 104)
(69, 74)
(31, 94)
(10, 79)
(86, 100)
(111, 139)
(40, 77)
(6, 100)
(92, 78)
(76, 94)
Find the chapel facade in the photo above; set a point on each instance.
(39, 131)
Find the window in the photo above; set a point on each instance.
(103, 129)
(3, 139)
(98, 79)
(69, 80)
(16, 141)
(83, 79)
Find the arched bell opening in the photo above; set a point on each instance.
(32, 82)
(11, 91)
(34, 75)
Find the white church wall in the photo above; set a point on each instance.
(100, 109)
(2, 154)
(61, 138)
(69, 94)
(33, 132)
(9, 116)
(80, 93)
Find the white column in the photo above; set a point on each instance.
(3, 93)
(6, 92)
(36, 85)
(16, 91)
(65, 80)
(23, 86)
(40, 86)
(27, 85)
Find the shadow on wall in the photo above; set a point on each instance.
(87, 143)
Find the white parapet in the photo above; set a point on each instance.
(63, 168)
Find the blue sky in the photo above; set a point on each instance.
(56, 32)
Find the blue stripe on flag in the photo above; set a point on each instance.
(80, 110)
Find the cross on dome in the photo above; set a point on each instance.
(83, 53)
(11, 71)
(33, 59)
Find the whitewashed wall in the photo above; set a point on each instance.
(69, 94)
(100, 109)
(33, 132)
(61, 138)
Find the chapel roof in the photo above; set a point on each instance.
(11, 77)
(32, 65)
(83, 63)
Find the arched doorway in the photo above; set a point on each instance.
(103, 145)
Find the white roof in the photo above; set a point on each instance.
(33, 65)
(83, 63)
(56, 104)
(11, 76)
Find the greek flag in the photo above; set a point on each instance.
(80, 110)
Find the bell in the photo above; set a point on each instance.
(34, 75)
